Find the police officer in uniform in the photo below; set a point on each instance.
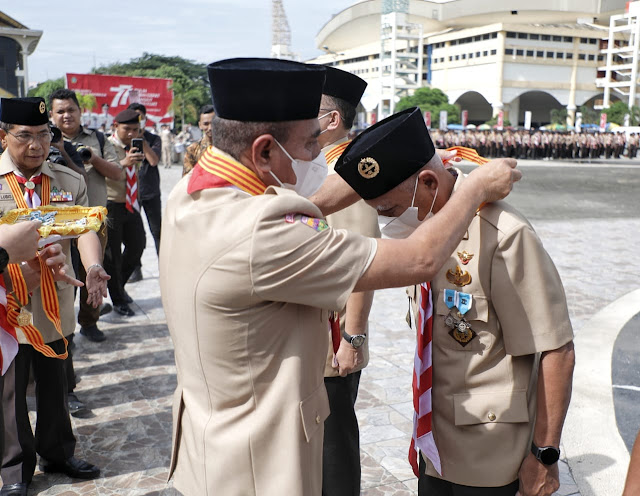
(341, 450)
(502, 349)
(249, 271)
(26, 179)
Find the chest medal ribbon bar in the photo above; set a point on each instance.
(461, 329)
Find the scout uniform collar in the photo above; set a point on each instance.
(333, 151)
(217, 169)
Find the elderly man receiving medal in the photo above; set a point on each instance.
(249, 270)
(27, 180)
(494, 358)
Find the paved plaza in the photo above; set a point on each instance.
(587, 217)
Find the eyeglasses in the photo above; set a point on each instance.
(28, 138)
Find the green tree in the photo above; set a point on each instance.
(589, 115)
(494, 120)
(47, 87)
(433, 100)
(190, 81)
(559, 116)
(617, 111)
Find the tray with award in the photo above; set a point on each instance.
(59, 222)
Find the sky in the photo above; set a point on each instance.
(81, 34)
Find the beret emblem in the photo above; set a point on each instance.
(43, 108)
(368, 168)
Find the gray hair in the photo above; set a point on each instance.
(234, 137)
(5, 126)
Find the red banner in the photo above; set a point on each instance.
(117, 92)
(603, 122)
(500, 120)
(465, 118)
(427, 118)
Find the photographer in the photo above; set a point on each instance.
(102, 163)
(149, 183)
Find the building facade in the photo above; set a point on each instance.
(17, 42)
(536, 56)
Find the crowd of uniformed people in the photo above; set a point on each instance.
(541, 145)
(274, 242)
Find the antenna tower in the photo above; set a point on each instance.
(280, 32)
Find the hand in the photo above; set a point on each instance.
(537, 479)
(347, 358)
(20, 240)
(96, 281)
(496, 178)
(54, 258)
(132, 158)
(448, 156)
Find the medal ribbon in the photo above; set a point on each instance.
(336, 151)
(216, 170)
(48, 292)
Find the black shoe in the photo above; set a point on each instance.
(105, 308)
(127, 298)
(72, 467)
(76, 407)
(136, 275)
(92, 333)
(17, 489)
(124, 309)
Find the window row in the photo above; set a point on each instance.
(548, 37)
(539, 54)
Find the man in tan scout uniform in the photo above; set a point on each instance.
(248, 273)
(28, 180)
(502, 349)
(195, 150)
(341, 449)
(124, 226)
(66, 115)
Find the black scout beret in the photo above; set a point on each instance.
(24, 111)
(344, 85)
(128, 116)
(386, 154)
(265, 90)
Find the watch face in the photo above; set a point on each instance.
(357, 341)
(549, 456)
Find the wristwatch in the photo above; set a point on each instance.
(547, 454)
(356, 340)
(4, 259)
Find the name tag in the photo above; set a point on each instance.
(6, 197)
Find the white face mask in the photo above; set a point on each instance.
(309, 175)
(403, 226)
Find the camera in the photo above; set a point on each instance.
(83, 151)
(55, 156)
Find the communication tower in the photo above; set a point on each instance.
(401, 55)
(280, 33)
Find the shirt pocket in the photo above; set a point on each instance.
(490, 407)
(314, 410)
(477, 316)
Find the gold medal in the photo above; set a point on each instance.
(30, 185)
(24, 317)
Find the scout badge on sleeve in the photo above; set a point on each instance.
(461, 330)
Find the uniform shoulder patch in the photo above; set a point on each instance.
(314, 223)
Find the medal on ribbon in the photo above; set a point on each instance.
(461, 329)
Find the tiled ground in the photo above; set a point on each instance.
(128, 380)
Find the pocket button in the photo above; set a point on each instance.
(492, 416)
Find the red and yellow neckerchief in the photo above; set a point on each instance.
(468, 154)
(336, 151)
(218, 170)
(472, 156)
(16, 314)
